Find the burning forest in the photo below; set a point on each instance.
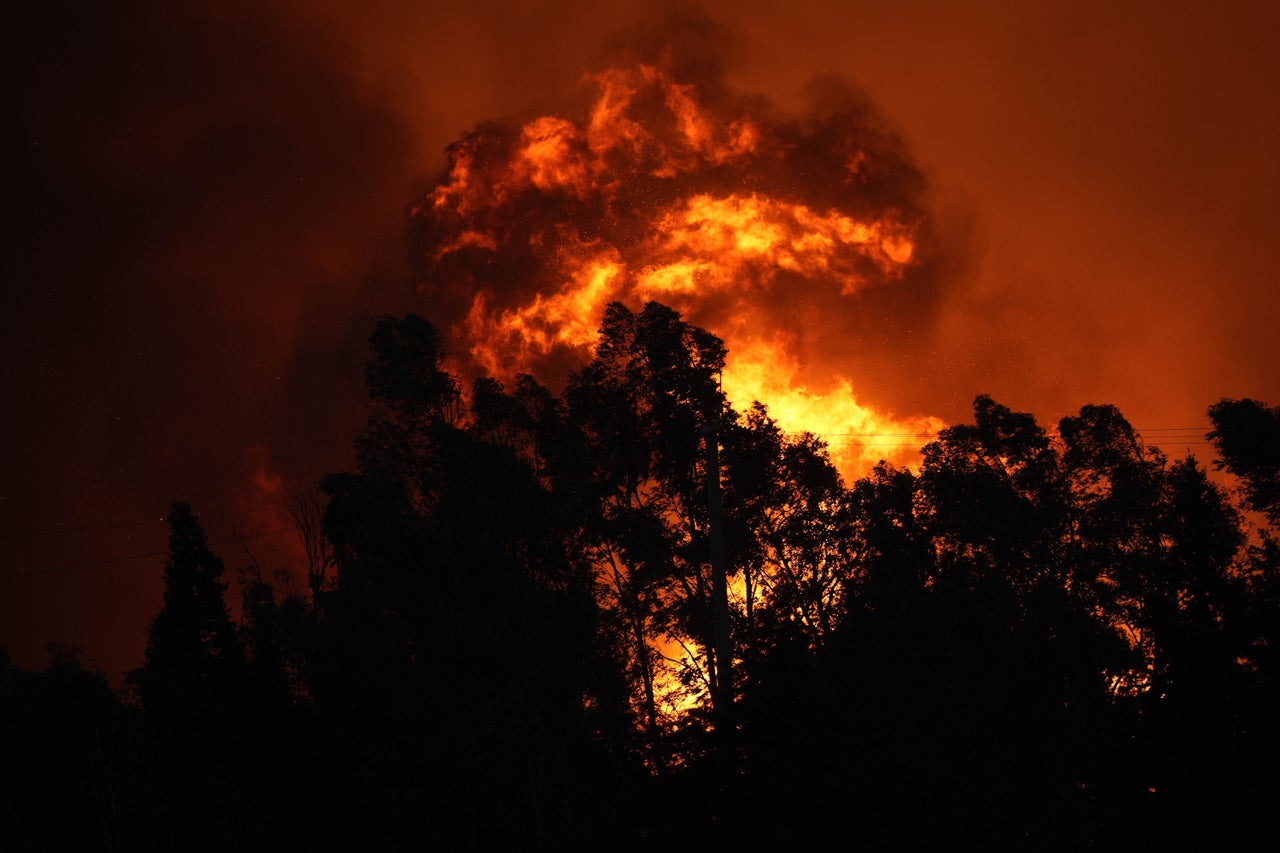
(770, 232)
(636, 547)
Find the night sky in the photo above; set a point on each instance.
(205, 212)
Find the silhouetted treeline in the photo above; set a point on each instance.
(1041, 640)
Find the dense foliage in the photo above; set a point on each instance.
(1041, 639)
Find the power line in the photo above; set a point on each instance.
(882, 434)
(64, 531)
(61, 530)
(1161, 443)
(1197, 431)
(1194, 438)
(1200, 429)
(91, 563)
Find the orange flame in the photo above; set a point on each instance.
(657, 195)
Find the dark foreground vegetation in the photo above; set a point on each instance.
(1040, 641)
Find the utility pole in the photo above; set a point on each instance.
(722, 699)
(723, 797)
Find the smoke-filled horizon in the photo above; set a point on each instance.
(208, 210)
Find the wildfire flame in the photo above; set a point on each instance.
(747, 224)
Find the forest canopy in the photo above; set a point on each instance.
(1042, 637)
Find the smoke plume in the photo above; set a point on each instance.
(801, 239)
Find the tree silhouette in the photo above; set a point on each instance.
(193, 686)
(796, 545)
(635, 414)
(193, 656)
(1247, 435)
(1034, 641)
(458, 657)
(82, 770)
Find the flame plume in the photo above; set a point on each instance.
(760, 229)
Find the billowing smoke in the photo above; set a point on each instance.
(797, 239)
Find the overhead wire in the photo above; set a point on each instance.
(108, 561)
(1169, 436)
(57, 529)
(1194, 436)
(63, 530)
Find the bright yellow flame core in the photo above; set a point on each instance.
(857, 436)
(741, 231)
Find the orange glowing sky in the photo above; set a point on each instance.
(206, 210)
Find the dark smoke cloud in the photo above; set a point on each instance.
(507, 240)
(692, 44)
(203, 212)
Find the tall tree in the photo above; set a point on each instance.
(793, 537)
(459, 634)
(992, 496)
(636, 413)
(193, 656)
(1246, 434)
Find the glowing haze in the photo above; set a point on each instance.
(761, 228)
(204, 218)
